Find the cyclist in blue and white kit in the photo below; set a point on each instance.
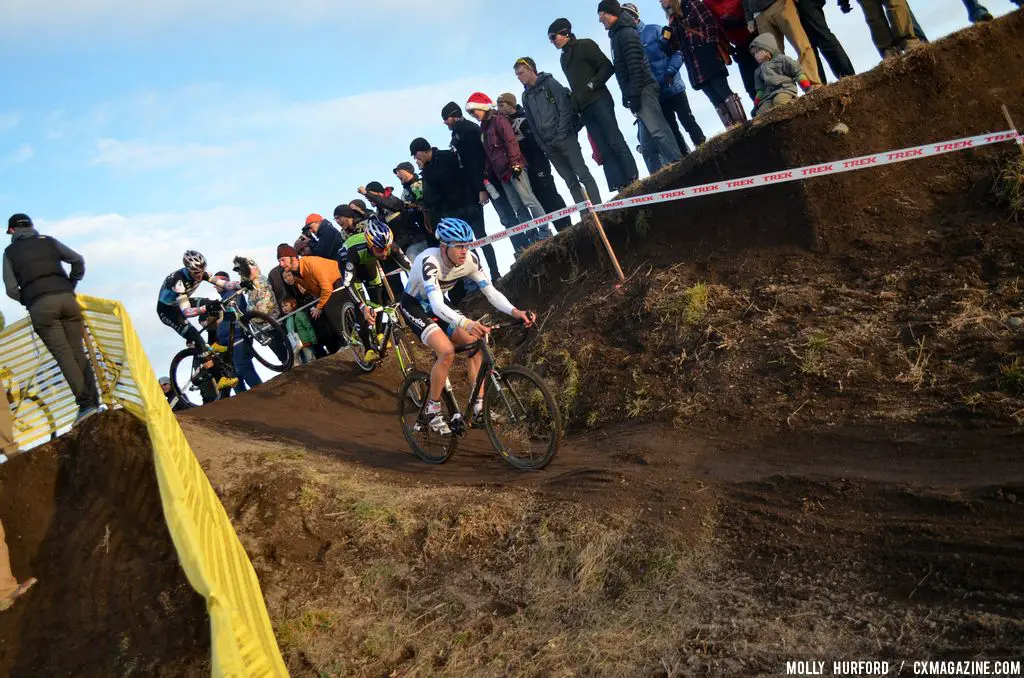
(434, 272)
(175, 304)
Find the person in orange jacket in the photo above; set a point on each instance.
(321, 278)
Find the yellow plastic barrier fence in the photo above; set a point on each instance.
(211, 555)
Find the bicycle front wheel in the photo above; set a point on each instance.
(406, 360)
(429, 446)
(350, 328)
(521, 418)
(267, 341)
(192, 384)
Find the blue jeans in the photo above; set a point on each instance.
(654, 120)
(619, 165)
(508, 217)
(244, 369)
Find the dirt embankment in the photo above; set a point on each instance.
(872, 296)
(83, 516)
(790, 436)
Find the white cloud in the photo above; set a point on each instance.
(20, 155)
(141, 155)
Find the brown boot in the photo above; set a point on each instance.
(724, 116)
(734, 109)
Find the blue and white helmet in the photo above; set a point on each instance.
(451, 230)
(379, 234)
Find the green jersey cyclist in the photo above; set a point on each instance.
(361, 254)
(435, 271)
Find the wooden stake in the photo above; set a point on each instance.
(604, 239)
(1020, 141)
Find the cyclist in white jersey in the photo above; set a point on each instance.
(435, 271)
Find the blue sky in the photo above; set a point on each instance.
(133, 131)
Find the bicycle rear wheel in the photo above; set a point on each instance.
(267, 340)
(429, 446)
(350, 327)
(521, 418)
(192, 384)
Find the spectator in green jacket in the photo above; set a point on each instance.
(300, 326)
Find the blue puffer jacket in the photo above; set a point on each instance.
(665, 68)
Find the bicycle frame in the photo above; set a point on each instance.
(487, 370)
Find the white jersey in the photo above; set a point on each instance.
(431, 276)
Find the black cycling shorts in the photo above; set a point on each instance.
(172, 316)
(421, 320)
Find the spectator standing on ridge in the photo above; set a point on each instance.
(891, 25)
(326, 241)
(468, 147)
(34, 277)
(693, 31)
(346, 217)
(733, 23)
(549, 112)
(320, 277)
(412, 195)
(537, 164)
(781, 19)
(778, 76)
(446, 193)
(640, 91)
(241, 353)
(823, 40)
(299, 326)
(587, 69)
(666, 71)
(506, 162)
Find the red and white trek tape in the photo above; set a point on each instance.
(784, 176)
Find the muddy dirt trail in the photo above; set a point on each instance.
(333, 408)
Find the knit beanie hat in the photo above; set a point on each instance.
(375, 187)
(450, 110)
(345, 211)
(507, 98)
(610, 7)
(478, 101)
(561, 25)
(313, 219)
(19, 220)
(286, 250)
(632, 9)
(359, 206)
(419, 145)
(407, 166)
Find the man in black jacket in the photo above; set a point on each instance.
(447, 193)
(325, 240)
(468, 145)
(640, 91)
(587, 69)
(34, 277)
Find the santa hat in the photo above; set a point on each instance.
(478, 101)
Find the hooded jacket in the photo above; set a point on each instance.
(261, 297)
(549, 111)
(32, 267)
(501, 146)
(780, 74)
(632, 69)
(587, 69)
(665, 67)
(470, 149)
